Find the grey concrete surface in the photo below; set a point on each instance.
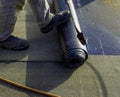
(41, 66)
(98, 77)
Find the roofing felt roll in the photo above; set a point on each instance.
(75, 53)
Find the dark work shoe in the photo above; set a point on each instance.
(58, 19)
(14, 43)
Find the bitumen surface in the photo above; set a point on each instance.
(42, 67)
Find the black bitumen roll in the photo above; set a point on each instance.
(75, 54)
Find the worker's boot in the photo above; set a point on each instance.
(14, 43)
(57, 19)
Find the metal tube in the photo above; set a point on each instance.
(74, 15)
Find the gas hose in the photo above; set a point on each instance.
(28, 88)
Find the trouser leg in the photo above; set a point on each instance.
(41, 10)
(8, 16)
